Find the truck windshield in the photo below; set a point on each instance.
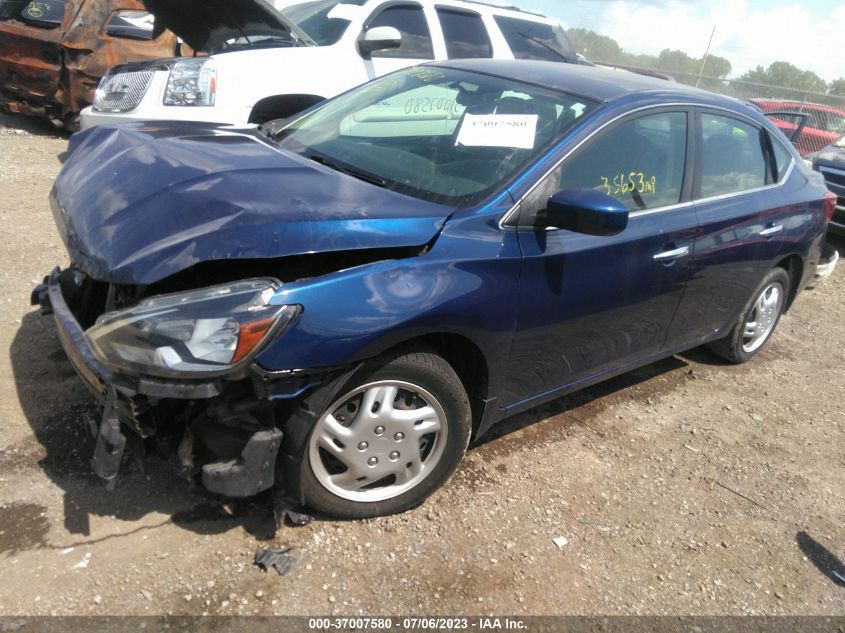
(47, 14)
(324, 21)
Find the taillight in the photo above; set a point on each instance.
(829, 204)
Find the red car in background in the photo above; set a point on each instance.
(825, 124)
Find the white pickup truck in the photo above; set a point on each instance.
(263, 63)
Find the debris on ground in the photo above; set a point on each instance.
(84, 562)
(285, 514)
(277, 558)
(561, 542)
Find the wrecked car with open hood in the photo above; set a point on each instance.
(335, 305)
(54, 52)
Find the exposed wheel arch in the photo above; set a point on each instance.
(282, 106)
(468, 361)
(794, 267)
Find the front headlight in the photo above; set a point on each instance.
(203, 332)
(192, 82)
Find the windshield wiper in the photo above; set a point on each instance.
(537, 40)
(360, 175)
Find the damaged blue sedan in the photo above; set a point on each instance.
(336, 305)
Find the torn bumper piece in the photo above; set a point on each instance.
(126, 399)
(251, 473)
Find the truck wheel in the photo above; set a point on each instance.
(379, 441)
(759, 318)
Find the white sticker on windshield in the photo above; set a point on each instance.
(348, 12)
(498, 130)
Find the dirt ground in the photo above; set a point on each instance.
(687, 487)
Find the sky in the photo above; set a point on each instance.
(749, 33)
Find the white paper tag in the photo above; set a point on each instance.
(498, 130)
(347, 12)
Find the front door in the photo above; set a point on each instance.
(587, 304)
(417, 48)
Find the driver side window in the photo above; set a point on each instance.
(411, 23)
(640, 162)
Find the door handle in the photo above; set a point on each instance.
(772, 231)
(676, 253)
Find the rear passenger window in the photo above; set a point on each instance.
(535, 40)
(783, 159)
(416, 38)
(732, 156)
(465, 34)
(641, 162)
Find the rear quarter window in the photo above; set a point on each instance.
(783, 159)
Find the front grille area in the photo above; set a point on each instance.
(122, 92)
(833, 176)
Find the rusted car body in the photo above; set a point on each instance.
(52, 68)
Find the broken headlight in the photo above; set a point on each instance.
(203, 332)
(192, 82)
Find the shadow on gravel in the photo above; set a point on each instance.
(824, 560)
(55, 404)
(582, 405)
(19, 123)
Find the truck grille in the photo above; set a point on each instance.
(122, 92)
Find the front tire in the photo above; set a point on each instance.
(759, 318)
(381, 440)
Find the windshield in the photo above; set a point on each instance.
(43, 13)
(440, 134)
(323, 21)
(835, 123)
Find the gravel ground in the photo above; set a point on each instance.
(686, 487)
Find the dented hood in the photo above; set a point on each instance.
(139, 203)
(206, 24)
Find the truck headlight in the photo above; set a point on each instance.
(202, 332)
(192, 82)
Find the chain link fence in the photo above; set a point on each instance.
(824, 114)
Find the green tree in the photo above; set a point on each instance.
(595, 47)
(837, 87)
(679, 62)
(786, 75)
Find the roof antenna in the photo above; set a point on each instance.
(706, 55)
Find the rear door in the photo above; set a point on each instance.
(743, 217)
(588, 305)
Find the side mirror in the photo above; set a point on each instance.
(379, 38)
(585, 210)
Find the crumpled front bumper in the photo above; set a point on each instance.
(252, 472)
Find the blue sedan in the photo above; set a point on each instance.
(336, 305)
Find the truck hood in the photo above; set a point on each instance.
(206, 24)
(138, 203)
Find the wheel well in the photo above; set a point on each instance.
(794, 267)
(469, 363)
(281, 106)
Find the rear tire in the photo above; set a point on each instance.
(758, 320)
(379, 440)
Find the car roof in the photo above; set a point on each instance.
(595, 83)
